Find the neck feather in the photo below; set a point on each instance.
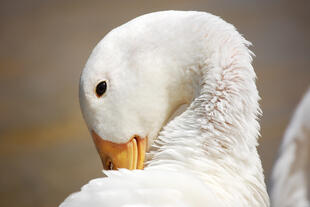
(216, 136)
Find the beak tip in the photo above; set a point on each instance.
(130, 155)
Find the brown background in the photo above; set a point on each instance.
(46, 152)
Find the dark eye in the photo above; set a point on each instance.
(101, 88)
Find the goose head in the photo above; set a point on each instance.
(180, 86)
(144, 73)
(130, 87)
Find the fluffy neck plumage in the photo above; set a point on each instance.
(216, 136)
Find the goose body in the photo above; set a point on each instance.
(290, 176)
(149, 188)
(183, 81)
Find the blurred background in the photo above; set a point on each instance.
(46, 152)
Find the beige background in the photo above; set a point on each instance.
(45, 149)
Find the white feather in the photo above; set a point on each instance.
(290, 176)
(203, 154)
(144, 188)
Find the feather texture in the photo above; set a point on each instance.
(205, 155)
(148, 188)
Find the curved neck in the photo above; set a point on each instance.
(216, 136)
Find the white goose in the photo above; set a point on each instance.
(180, 86)
(290, 177)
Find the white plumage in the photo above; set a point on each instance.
(185, 81)
(290, 176)
(149, 188)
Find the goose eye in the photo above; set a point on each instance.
(101, 88)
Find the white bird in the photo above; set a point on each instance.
(290, 176)
(179, 86)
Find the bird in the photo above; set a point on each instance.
(171, 103)
(289, 186)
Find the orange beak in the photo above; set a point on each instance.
(128, 155)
